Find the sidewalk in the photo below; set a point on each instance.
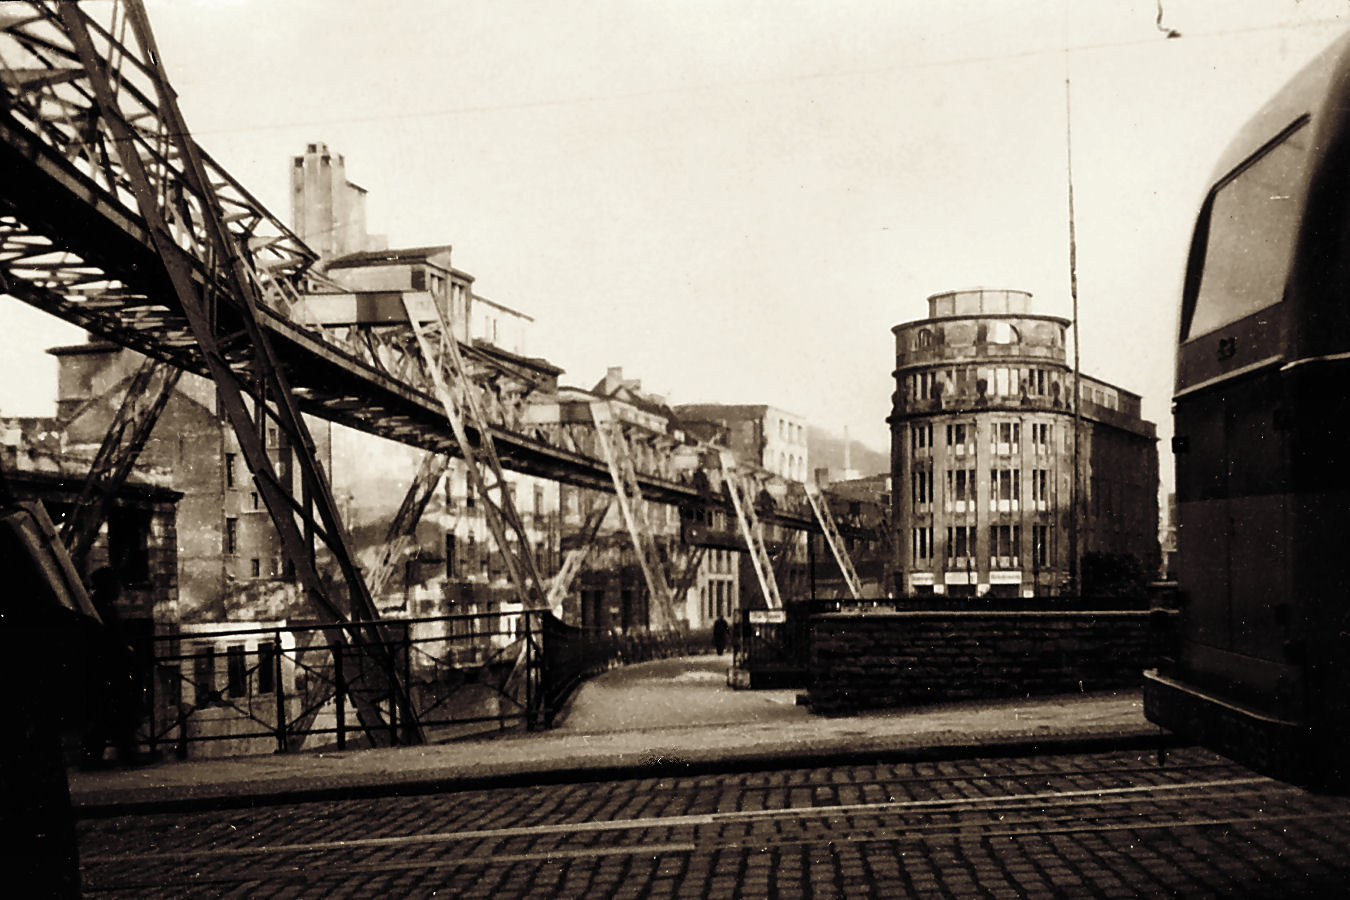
(659, 719)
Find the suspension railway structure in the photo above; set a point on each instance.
(114, 219)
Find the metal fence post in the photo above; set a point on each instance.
(279, 692)
(390, 673)
(408, 714)
(153, 740)
(340, 697)
(532, 660)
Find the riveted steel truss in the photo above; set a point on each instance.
(444, 364)
(576, 556)
(399, 539)
(116, 221)
(614, 446)
(821, 507)
(751, 528)
(96, 93)
(148, 392)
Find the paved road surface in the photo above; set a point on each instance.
(1112, 824)
(673, 693)
(1108, 824)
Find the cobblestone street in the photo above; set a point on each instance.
(1109, 824)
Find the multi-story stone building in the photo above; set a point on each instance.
(983, 454)
(138, 539)
(760, 435)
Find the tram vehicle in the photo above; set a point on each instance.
(1260, 670)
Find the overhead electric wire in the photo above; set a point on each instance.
(582, 100)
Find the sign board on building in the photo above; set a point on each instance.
(1005, 577)
(767, 616)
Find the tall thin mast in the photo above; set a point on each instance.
(1076, 492)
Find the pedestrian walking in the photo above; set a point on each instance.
(721, 630)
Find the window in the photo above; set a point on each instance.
(255, 567)
(1040, 545)
(961, 438)
(1002, 333)
(229, 469)
(1036, 382)
(923, 544)
(925, 386)
(1004, 437)
(1001, 383)
(1040, 437)
(921, 438)
(267, 667)
(204, 675)
(922, 491)
(1004, 489)
(960, 542)
(231, 536)
(1040, 488)
(236, 668)
(1003, 545)
(1251, 223)
(960, 490)
(253, 496)
(129, 544)
(450, 566)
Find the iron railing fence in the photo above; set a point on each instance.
(250, 689)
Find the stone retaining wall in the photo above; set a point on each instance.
(886, 660)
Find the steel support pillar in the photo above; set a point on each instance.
(217, 291)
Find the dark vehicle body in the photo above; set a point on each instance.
(1261, 668)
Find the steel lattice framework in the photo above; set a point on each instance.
(113, 219)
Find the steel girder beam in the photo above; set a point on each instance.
(693, 559)
(576, 557)
(148, 392)
(751, 528)
(187, 226)
(399, 536)
(609, 434)
(72, 242)
(445, 366)
(821, 507)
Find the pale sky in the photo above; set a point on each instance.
(737, 200)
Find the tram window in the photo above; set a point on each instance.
(1253, 219)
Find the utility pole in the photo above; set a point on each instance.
(1077, 491)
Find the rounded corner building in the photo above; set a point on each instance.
(982, 453)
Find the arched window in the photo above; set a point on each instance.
(1003, 333)
(925, 339)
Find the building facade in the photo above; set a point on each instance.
(760, 435)
(983, 454)
(138, 540)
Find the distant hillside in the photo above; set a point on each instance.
(826, 450)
